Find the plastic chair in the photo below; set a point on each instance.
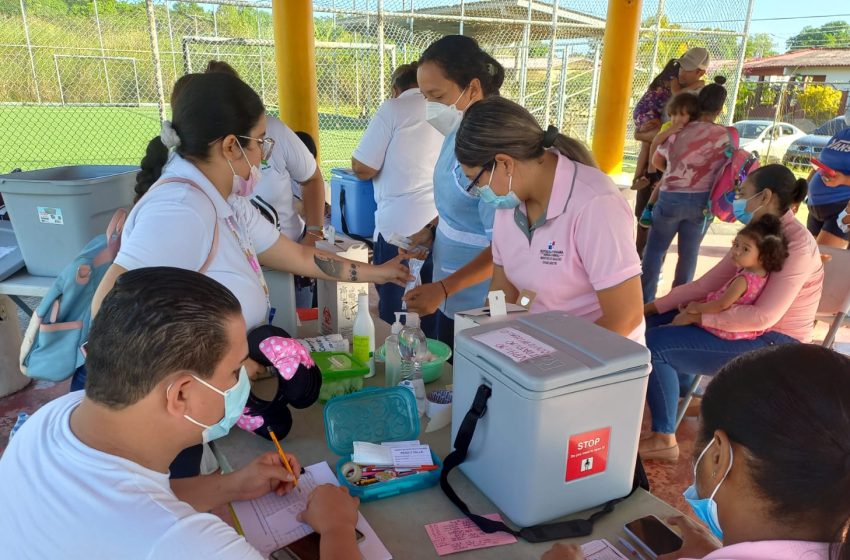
(834, 306)
(835, 300)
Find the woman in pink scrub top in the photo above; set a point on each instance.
(772, 461)
(562, 231)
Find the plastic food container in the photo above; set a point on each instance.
(378, 416)
(433, 370)
(342, 374)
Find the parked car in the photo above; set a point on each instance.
(766, 139)
(804, 149)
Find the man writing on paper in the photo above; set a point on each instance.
(87, 475)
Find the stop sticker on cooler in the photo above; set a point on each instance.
(587, 453)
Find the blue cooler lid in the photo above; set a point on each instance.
(374, 415)
(344, 172)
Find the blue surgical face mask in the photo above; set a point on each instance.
(234, 403)
(501, 202)
(739, 208)
(706, 508)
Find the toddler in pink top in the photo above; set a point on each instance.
(759, 249)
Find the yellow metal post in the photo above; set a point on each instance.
(295, 57)
(619, 50)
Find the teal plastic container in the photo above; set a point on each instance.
(376, 415)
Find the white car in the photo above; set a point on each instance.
(767, 139)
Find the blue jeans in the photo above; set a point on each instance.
(390, 295)
(680, 353)
(675, 213)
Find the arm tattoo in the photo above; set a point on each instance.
(328, 265)
(352, 273)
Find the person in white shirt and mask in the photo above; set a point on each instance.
(398, 152)
(289, 161)
(193, 211)
(165, 371)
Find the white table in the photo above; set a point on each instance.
(399, 521)
(23, 284)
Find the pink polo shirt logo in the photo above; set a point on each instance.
(550, 255)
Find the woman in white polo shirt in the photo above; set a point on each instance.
(398, 152)
(562, 230)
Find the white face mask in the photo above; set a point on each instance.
(445, 118)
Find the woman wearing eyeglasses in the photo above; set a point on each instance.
(562, 230)
(218, 139)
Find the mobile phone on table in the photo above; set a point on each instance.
(305, 548)
(828, 171)
(653, 536)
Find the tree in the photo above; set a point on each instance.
(820, 103)
(760, 45)
(835, 35)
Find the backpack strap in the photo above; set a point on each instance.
(214, 246)
(571, 529)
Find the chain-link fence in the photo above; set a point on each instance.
(78, 78)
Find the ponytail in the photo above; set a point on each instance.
(155, 159)
(783, 184)
(496, 125)
(574, 150)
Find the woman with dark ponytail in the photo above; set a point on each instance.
(454, 73)
(784, 311)
(562, 230)
(772, 473)
(193, 208)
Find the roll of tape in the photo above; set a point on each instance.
(352, 472)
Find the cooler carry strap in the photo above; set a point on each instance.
(539, 533)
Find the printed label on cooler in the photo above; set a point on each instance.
(587, 453)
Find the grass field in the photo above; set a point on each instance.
(39, 137)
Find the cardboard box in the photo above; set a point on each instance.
(481, 316)
(338, 300)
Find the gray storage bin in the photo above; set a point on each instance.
(56, 211)
(12, 262)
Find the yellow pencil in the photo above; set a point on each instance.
(283, 455)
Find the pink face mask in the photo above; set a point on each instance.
(242, 186)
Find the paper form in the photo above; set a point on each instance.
(459, 535)
(514, 344)
(269, 523)
(601, 550)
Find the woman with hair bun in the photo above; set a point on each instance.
(679, 343)
(455, 73)
(562, 229)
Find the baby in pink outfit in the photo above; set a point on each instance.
(759, 249)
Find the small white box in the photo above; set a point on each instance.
(338, 300)
(481, 316)
(561, 428)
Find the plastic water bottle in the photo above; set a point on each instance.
(392, 356)
(363, 343)
(413, 346)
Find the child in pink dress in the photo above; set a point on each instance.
(759, 249)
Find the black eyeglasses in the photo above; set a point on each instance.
(474, 182)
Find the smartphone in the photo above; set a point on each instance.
(828, 171)
(653, 536)
(305, 548)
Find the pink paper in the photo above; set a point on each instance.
(458, 535)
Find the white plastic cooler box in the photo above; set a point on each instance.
(561, 429)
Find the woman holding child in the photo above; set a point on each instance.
(783, 310)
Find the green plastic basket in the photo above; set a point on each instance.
(431, 371)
